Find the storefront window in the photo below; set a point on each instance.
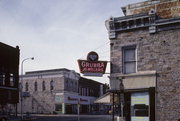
(58, 107)
(140, 106)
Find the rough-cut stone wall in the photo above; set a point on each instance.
(160, 52)
(164, 9)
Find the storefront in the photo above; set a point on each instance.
(140, 105)
(68, 103)
(136, 101)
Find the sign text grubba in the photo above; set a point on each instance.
(92, 66)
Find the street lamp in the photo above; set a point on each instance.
(32, 58)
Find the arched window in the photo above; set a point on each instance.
(27, 87)
(43, 86)
(35, 86)
(52, 85)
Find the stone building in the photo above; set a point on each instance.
(58, 91)
(145, 46)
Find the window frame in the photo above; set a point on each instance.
(125, 48)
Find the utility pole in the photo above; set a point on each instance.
(121, 88)
(78, 109)
(21, 85)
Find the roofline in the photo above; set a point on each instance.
(49, 70)
(92, 80)
(3, 44)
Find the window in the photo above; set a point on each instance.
(35, 86)
(43, 86)
(2, 78)
(58, 107)
(140, 105)
(129, 59)
(75, 87)
(27, 87)
(12, 80)
(51, 85)
(71, 84)
(80, 92)
(67, 83)
(75, 83)
(84, 91)
(87, 91)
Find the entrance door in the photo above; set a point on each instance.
(140, 106)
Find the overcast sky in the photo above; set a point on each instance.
(58, 32)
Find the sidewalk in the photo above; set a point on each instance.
(19, 118)
(67, 115)
(37, 116)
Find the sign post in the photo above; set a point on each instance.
(78, 109)
(121, 88)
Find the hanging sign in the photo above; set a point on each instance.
(91, 66)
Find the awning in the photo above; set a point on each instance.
(105, 99)
(108, 97)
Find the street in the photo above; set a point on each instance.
(73, 118)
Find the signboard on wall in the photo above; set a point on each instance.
(58, 98)
(91, 66)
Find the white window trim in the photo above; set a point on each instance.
(123, 56)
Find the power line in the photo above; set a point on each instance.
(99, 48)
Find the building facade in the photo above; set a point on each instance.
(145, 46)
(9, 79)
(58, 91)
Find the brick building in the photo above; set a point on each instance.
(145, 46)
(9, 79)
(59, 91)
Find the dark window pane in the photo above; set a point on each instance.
(58, 107)
(27, 87)
(35, 86)
(51, 85)
(43, 86)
